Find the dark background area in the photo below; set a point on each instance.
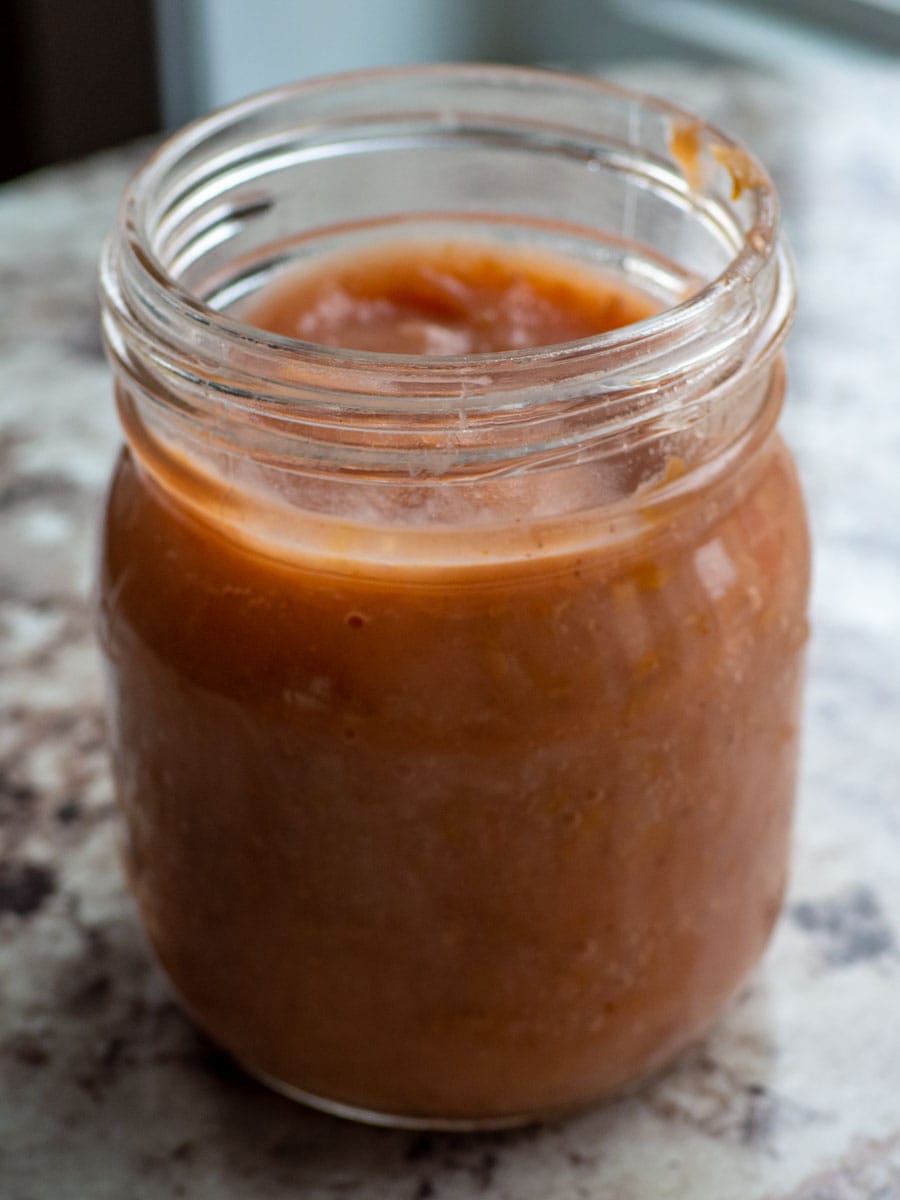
(83, 76)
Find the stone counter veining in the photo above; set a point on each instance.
(107, 1092)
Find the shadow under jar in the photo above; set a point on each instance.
(454, 699)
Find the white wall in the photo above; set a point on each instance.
(214, 51)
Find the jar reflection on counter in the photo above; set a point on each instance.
(454, 700)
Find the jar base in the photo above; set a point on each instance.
(386, 1120)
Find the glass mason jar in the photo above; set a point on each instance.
(454, 700)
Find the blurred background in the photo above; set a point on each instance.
(94, 73)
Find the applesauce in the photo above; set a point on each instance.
(453, 596)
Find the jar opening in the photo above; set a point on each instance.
(632, 185)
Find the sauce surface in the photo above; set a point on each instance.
(445, 298)
(466, 851)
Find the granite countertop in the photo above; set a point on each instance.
(106, 1090)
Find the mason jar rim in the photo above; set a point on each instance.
(493, 410)
(760, 244)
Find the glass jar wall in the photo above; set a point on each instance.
(454, 697)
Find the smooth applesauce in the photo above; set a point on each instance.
(469, 839)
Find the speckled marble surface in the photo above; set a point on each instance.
(105, 1089)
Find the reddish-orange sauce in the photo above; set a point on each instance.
(447, 298)
(463, 842)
